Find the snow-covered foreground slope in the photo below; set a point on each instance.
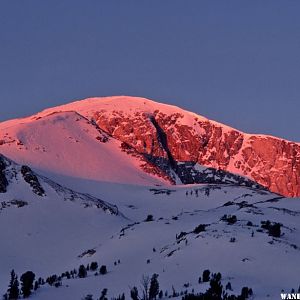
(44, 224)
(49, 234)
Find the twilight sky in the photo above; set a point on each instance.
(237, 62)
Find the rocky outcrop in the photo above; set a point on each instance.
(178, 147)
(3, 180)
(32, 180)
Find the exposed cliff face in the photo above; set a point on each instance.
(274, 163)
(271, 162)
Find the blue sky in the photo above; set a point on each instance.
(237, 62)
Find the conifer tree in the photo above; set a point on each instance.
(27, 283)
(103, 270)
(94, 266)
(82, 271)
(13, 289)
(134, 294)
(154, 287)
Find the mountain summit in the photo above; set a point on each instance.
(135, 140)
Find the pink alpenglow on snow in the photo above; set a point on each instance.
(138, 141)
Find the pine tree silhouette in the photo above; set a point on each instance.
(13, 289)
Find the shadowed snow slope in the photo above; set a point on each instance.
(50, 234)
(37, 215)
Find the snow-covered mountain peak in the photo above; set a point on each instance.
(149, 143)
